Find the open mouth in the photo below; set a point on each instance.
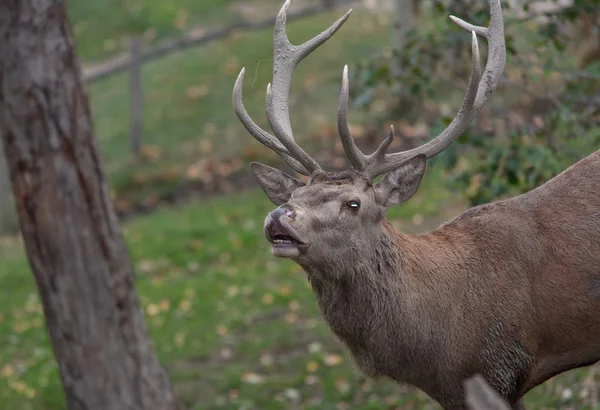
(284, 240)
(284, 243)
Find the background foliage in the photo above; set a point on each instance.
(544, 116)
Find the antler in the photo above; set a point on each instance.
(286, 57)
(478, 91)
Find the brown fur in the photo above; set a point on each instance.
(510, 290)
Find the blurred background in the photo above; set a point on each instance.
(236, 328)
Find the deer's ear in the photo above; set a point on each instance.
(400, 185)
(277, 184)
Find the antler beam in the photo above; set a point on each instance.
(480, 88)
(286, 58)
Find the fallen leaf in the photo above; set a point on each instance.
(252, 378)
(311, 379)
(342, 385)
(184, 305)
(7, 371)
(152, 309)
(292, 394)
(267, 299)
(333, 359)
(294, 305)
(314, 347)
(226, 353)
(266, 359)
(164, 305)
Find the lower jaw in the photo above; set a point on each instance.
(285, 251)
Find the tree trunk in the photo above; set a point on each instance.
(8, 221)
(71, 233)
(404, 15)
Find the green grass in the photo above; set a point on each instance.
(235, 327)
(103, 27)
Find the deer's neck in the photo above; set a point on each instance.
(385, 305)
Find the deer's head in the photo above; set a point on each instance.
(336, 214)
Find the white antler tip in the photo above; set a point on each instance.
(239, 80)
(391, 130)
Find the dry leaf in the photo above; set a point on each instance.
(252, 378)
(152, 309)
(333, 359)
(267, 299)
(342, 385)
(312, 366)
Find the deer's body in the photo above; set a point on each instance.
(508, 290)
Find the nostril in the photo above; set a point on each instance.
(290, 214)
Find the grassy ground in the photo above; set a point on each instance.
(235, 327)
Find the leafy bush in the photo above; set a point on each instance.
(548, 103)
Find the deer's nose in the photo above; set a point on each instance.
(283, 210)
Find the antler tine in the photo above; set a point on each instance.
(355, 155)
(494, 67)
(286, 57)
(261, 135)
(480, 88)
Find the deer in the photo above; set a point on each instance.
(508, 290)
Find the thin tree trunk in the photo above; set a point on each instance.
(69, 226)
(404, 15)
(136, 95)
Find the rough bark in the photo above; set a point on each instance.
(73, 241)
(8, 221)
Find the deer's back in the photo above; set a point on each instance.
(534, 277)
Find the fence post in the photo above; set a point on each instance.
(136, 95)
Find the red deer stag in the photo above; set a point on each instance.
(509, 290)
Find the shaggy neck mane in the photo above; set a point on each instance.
(374, 300)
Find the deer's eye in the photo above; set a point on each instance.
(354, 205)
